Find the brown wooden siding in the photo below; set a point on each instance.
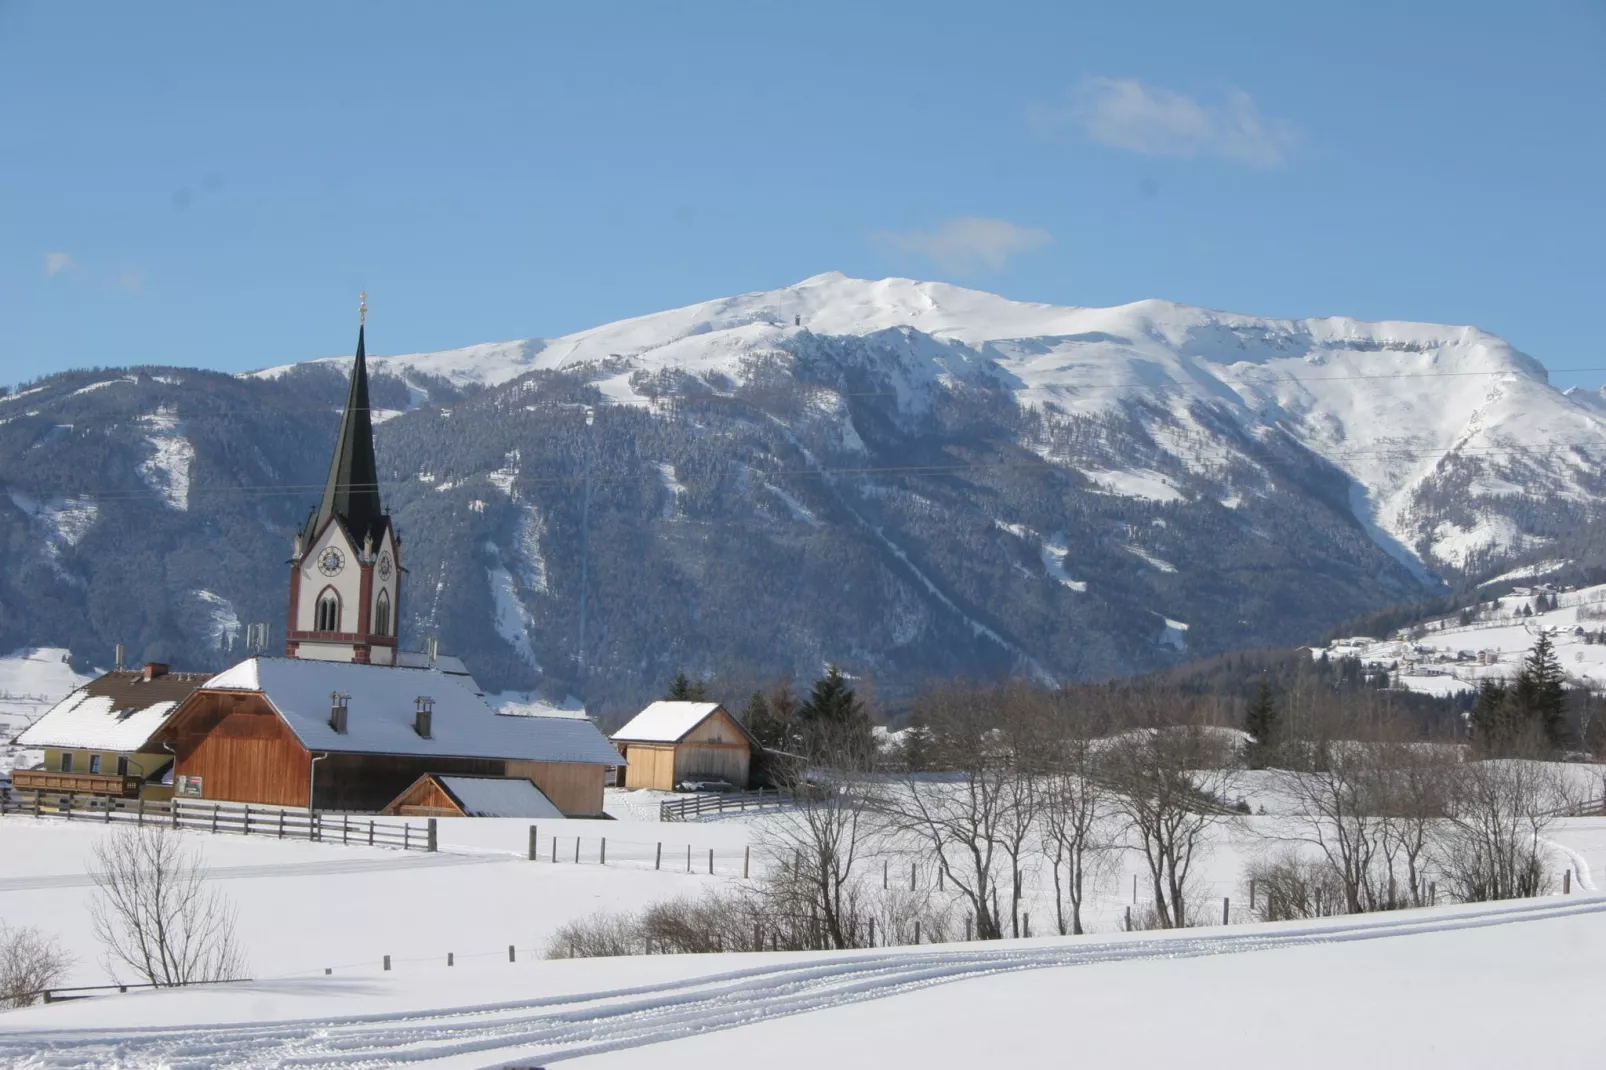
(425, 799)
(652, 765)
(241, 750)
(712, 761)
(574, 788)
(370, 781)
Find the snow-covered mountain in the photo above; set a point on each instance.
(1445, 432)
(910, 478)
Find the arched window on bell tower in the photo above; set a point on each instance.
(382, 614)
(328, 614)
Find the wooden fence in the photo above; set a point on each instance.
(728, 803)
(239, 818)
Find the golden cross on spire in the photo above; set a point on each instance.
(362, 308)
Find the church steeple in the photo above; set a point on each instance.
(352, 490)
(345, 568)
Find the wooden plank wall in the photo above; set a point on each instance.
(241, 749)
(363, 782)
(651, 766)
(573, 788)
(713, 761)
(425, 799)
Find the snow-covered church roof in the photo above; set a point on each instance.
(382, 705)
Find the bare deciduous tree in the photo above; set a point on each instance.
(1170, 782)
(154, 913)
(30, 962)
(1076, 812)
(1491, 846)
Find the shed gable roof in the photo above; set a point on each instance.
(669, 721)
(487, 796)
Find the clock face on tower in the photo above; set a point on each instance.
(384, 565)
(331, 561)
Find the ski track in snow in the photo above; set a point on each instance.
(277, 869)
(552, 1029)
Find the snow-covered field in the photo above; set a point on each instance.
(31, 681)
(1449, 656)
(1384, 989)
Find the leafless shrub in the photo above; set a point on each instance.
(30, 962)
(1293, 885)
(1490, 845)
(601, 935)
(154, 913)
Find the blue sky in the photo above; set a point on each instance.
(211, 184)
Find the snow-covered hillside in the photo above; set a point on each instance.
(1438, 427)
(31, 681)
(1490, 640)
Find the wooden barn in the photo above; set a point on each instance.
(442, 795)
(100, 740)
(349, 736)
(669, 743)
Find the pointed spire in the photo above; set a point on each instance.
(352, 491)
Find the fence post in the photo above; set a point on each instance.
(603, 858)
(1567, 882)
(449, 959)
(281, 824)
(872, 932)
(1128, 919)
(1225, 906)
(345, 828)
(1251, 893)
(248, 821)
(658, 856)
(1134, 889)
(214, 816)
(912, 877)
(108, 810)
(370, 832)
(534, 842)
(917, 930)
(407, 833)
(577, 850)
(688, 858)
(387, 962)
(710, 861)
(1025, 927)
(554, 850)
(883, 874)
(510, 954)
(747, 856)
(970, 920)
(432, 834)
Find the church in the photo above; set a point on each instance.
(345, 719)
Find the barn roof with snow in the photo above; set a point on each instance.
(668, 721)
(381, 708)
(117, 711)
(489, 796)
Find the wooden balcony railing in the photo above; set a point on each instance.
(123, 787)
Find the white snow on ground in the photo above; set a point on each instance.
(798, 510)
(503, 477)
(1149, 559)
(31, 681)
(1449, 657)
(1136, 484)
(531, 528)
(167, 470)
(1385, 402)
(102, 385)
(222, 622)
(1175, 635)
(674, 487)
(1054, 552)
(531, 704)
(512, 620)
(62, 521)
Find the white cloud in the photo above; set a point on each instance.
(1129, 114)
(56, 263)
(967, 243)
(131, 281)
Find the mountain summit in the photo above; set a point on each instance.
(910, 478)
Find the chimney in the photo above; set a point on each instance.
(424, 715)
(434, 649)
(119, 657)
(153, 669)
(337, 711)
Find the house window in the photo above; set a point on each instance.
(328, 612)
(382, 614)
(94, 763)
(122, 765)
(66, 761)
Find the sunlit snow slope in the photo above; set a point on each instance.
(1440, 428)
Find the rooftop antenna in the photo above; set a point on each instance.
(119, 657)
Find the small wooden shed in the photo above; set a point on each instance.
(441, 795)
(671, 742)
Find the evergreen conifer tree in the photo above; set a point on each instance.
(759, 719)
(833, 716)
(1262, 721)
(1491, 721)
(683, 690)
(1540, 694)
